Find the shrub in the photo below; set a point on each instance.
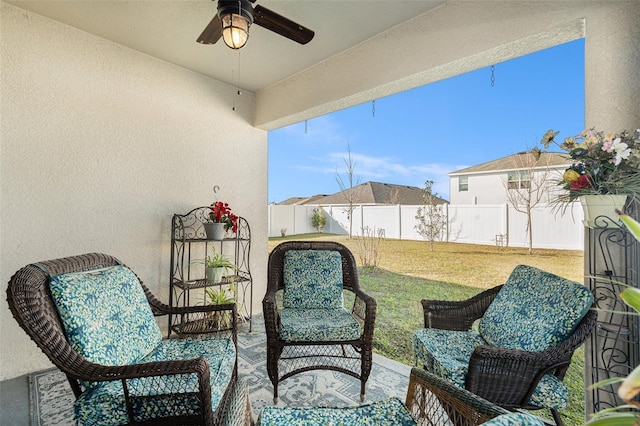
(318, 219)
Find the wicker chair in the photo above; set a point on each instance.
(519, 354)
(306, 324)
(72, 309)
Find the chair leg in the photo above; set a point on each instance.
(362, 390)
(556, 417)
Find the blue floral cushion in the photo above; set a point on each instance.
(105, 405)
(446, 353)
(106, 315)
(312, 279)
(390, 412)
(514, 419)
(534, 310)
(318, 325)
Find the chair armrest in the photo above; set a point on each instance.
(91, 372)
(364, 311)
(457, 315)
(498, 374)
(172, 369)
(508, 377)
(439, 402)
(271, 315)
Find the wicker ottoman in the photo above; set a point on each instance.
(430, 400)
(390, 412)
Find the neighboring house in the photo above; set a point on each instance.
(298, 201)
(487, 183)
(368, 193)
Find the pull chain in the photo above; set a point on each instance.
(235, 78)
(305, 126)
(373, 108)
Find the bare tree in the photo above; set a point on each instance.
(367, 244)
(527, 185)
(350, 195)
(431, 219)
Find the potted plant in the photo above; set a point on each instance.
(221, 220)
(220, 320)
(604, 164)
(216, 265)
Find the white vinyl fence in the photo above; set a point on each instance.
(473, 224)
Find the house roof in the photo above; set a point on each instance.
(302, 200)
(519, 161)
(369, 193)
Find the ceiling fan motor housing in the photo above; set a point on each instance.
(238, 7)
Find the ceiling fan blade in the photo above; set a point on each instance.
(212, 32)
(281, 25)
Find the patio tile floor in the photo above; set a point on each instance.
(14, 393)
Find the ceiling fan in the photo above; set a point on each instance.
(234, 18)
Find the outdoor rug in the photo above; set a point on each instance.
(51, 399)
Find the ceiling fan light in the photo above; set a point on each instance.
(235, 30)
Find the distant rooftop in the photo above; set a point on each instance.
(521, 160)
(367, 193)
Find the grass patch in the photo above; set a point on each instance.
(409, 272)
(399, 311)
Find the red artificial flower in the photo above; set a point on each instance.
(221, 213)
(583, 182)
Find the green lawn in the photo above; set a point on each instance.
(409, 272)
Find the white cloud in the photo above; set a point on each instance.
(321, 131)
(385, 169)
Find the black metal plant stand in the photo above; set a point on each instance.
(612, 261)
(189, 246)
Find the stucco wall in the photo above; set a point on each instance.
(100, 146)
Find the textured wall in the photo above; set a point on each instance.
(100, 146)
(612, 68)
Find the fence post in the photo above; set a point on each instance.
(399, 221)
(446, 215)
(506, 221)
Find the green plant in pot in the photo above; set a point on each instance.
(216, 265)
(220, 296)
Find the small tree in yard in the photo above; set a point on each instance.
(431, 218)
(350, 194)
(528, 185)
(318, 219)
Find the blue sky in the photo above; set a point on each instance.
(428, 132)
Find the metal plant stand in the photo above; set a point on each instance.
(187, 286)
(612, 260)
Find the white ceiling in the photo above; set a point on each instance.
(168, 30)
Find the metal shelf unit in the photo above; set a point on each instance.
(612, 261)
(189, 247)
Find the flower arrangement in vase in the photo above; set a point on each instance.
(603, 164)
(222, 219)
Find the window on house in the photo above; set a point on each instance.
(463, 183)
(519, 180)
